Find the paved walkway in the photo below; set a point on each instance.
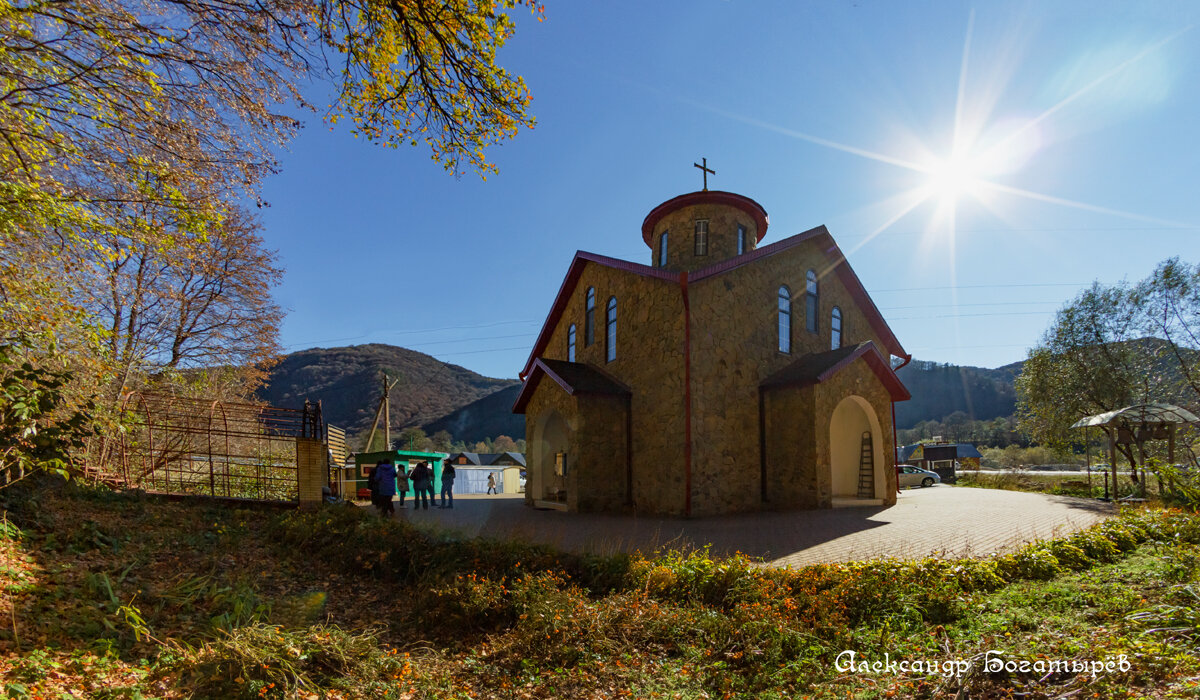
(940, 521)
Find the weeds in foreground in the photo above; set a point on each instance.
(337, 604)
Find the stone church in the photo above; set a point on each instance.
(723, 377)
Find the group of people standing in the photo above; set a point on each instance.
(385, 482)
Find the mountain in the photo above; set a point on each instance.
(347, 381)
(488, 417)
(941, 389)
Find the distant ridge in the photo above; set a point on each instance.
(347, 382)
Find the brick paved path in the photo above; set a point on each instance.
(942, 521)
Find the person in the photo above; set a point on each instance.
(448, 485)
(329, 494)
(491, 482)
(385, 485)
(401, 485)
(430, 486)
(373, 486)
(420, 480)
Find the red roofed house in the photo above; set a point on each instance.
(723, 377)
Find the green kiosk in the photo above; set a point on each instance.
(403, 459)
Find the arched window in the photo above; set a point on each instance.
(662, 249)
(785, 320)
(701, 238)
(610, 334)
(589, 318)
(835, 329)
(571, 343)
(810, 301)
(741, 239)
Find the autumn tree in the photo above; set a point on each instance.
(132, 133)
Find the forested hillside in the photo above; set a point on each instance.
(941, 389)
(348, 383)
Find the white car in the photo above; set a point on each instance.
(914, 476)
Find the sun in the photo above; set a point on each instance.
(954, 177)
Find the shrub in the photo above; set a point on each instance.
(260, 660)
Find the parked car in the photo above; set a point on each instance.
(915, 476)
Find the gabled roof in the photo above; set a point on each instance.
(965, 450)
(471, 457)
(838, 265)
(573, 377)
(580, 261)
(818, 367)
(493, 457)
(820, 235)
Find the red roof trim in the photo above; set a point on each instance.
(568, 285)
(840, 266)
(751, 207)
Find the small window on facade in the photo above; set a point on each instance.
(589, 318)
(571, 343)
(835, 329)
(610, 335)
(462, 460)
(741, 239)
(785, 320)
(810, 302)
(701, 238)
(662, 250)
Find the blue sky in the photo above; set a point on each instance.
(1075, 160)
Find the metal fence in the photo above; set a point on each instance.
(179, 445)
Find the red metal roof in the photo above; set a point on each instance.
(751, 207)
(820, 234)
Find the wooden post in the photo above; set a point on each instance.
(1112, 460)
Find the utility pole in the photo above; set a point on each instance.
(383, 409)
(387, 415)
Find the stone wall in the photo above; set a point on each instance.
(649, 361)
(859, 379)
(735, 346)
(722, 220)
(793, 479)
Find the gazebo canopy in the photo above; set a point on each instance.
(1140, 414)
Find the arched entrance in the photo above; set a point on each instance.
(552, 443)
(853, 418)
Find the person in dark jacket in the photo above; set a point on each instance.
(422, 485)
(448, 485)
(385, 485)
(373, 486)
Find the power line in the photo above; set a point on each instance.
(980, 286)
(999, 313)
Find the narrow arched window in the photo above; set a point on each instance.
(701, 238)
(589, 318)
(785, 320)
(662, 249)
(610, 334)
(835, 329)
(741, 239)
(810, 301)
(571, 343)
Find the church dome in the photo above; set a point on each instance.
(699, 229)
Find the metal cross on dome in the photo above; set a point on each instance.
(705, 169)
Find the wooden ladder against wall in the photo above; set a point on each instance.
(866, 467)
